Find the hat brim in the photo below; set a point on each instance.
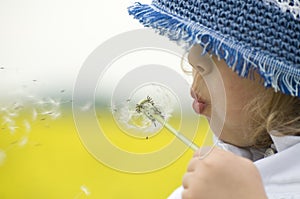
(240, 57)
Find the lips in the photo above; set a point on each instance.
(199, 104)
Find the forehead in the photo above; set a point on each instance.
(196, 56)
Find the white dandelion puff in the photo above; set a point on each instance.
(2, 156)
(132, 120)
(85, 190)
(23, 141)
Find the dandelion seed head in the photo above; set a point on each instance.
(131, 121)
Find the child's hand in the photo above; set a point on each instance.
(223, 175)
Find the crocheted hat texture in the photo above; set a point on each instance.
(250, 35)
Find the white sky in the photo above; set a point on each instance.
(48, 41)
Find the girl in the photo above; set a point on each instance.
(257, 39)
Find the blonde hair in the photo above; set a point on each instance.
(275, 113)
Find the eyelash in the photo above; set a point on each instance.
(200, 69)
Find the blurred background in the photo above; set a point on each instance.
(43, 45)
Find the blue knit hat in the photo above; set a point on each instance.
(261, 35)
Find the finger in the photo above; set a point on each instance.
(186, 179)
(203, 152)
(193, 164)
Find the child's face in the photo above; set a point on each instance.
(239, 91)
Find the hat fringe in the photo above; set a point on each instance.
(240, 58)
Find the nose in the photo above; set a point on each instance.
(201, 63)
(192, 92)
(195, 51)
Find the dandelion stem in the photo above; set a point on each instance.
(180, 136)
(148, 108)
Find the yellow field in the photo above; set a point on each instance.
(48, 161)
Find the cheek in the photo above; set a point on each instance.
(239, 93)
(238, 90)
(237, 97)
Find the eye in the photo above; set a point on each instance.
(203, 69)
(200, 69)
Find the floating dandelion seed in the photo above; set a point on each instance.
(12, 114)
(85, 190)
(7, 120)
(3, 109)
(54, 102)
(27, 126)
(2, 157)
(34, 114)
(56, 115)
(17, 106)
(48, 107)
(46, 113)
(23, 141)
(113, 108)
(40, 102)
(12, 129)
(86, 107)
